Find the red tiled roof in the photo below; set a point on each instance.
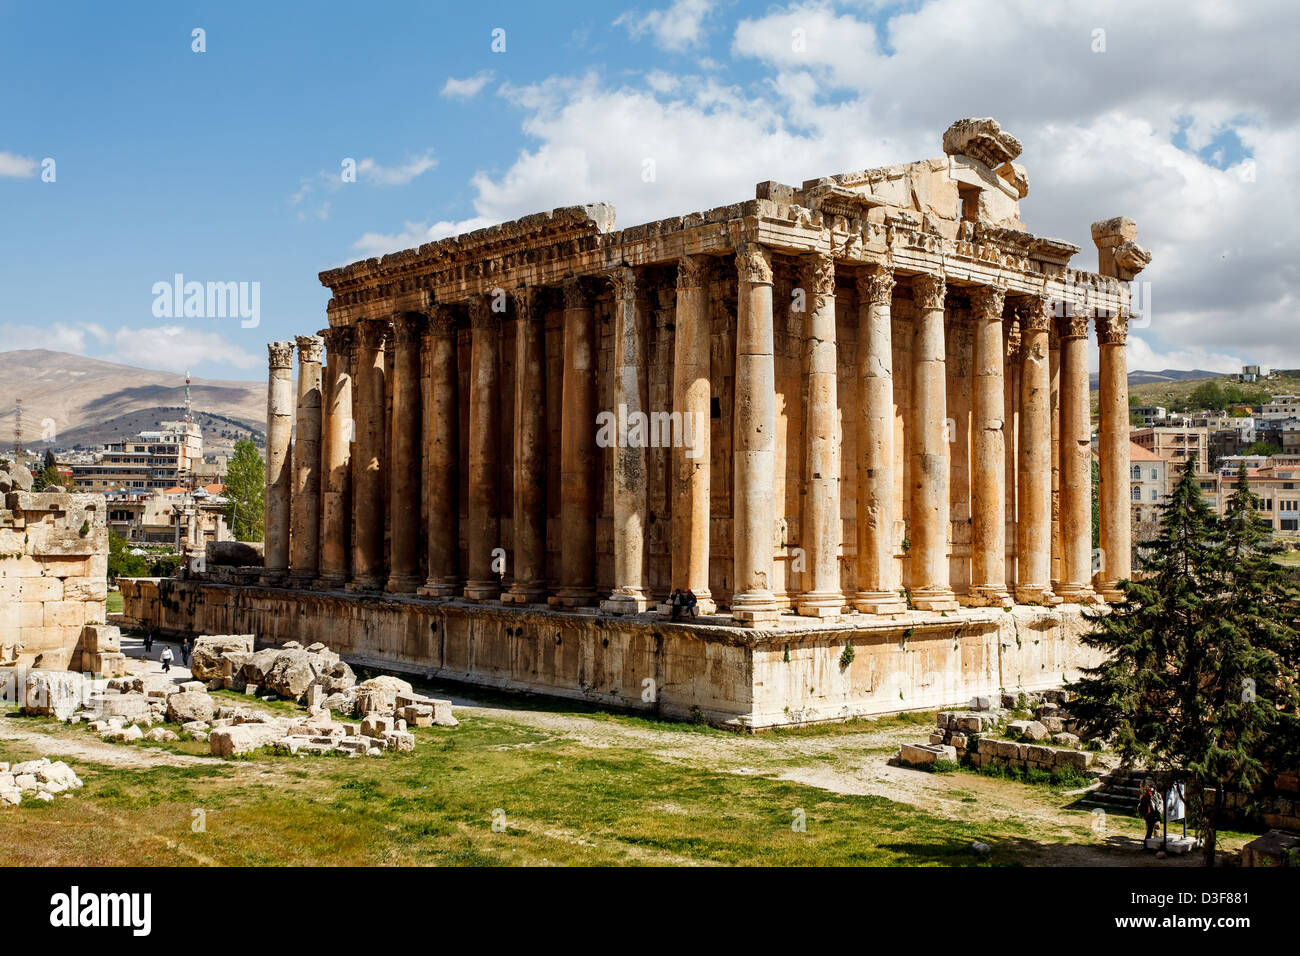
(1138, 453)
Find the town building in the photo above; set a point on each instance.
(152, 460)
(1148, 490)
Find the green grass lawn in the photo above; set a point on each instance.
(113, 605)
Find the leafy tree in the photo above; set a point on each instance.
(48, 475)
(246, 491)
(1263, 447)
(121, 562)
(1200, 669)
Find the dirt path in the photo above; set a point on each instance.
(91, 748)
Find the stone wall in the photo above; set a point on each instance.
(53, 575)
(735, 676)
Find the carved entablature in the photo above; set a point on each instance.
(983, 139)
(876, 285)
(280, 354)
(754, 263)
(1056, 251)
(831, 200)
(371, 333)
(928, 291)
(311, 348)
(986, 302)
(1112, 329)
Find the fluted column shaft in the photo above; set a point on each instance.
(821, 532)
(691, 457)
(1113, 448)
(336, 457)
(529, 580)
(931, 454)
(988, 454)
(279, 461)
(578, 451)
(369, 408)
(405, 494)
(1076, 463)
(629, 497)
(878, 578)
(754, 439)
(1034, 483)
(441, 420)
(304, 543)
(484, 532)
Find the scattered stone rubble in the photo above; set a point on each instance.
(40, 779)
(965, 734)
(127, 708)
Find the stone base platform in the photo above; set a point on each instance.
(801, 670)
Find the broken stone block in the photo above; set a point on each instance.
(160, 735)
(190, 707)
(57, 694)
(379, 694)
(398, 740)
(1073, 759)
(1028, 729)
(442, 713)
(211, 657)
(417, 715)
(375, 725)
(919, 755)
(1066, 740)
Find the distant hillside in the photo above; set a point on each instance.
(1167, 375)
(91, 401)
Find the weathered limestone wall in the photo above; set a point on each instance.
(738, 676)
(53, 575)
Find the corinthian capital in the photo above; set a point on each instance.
(280, 354)
(1112, 329)
(311, 348)
(819, 275)
(1072, 326)
(1034, 313)
(482, 313)
(442, 320)
(371, 333)
(876, 285)
(928, 291)
(691, 272)
(576, 295)
(986, 302)
(408, 327)
(339, 340)
(524, 301)
(623, 279)
(753, 263)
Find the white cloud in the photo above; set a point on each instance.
(677, 28)
(1099, 131)
(175, 348)
(19, 167)
(467, 88)
(416, 234)
(396, 175)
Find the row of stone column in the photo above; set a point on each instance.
(353, 460)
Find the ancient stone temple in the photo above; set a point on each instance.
(838, 413)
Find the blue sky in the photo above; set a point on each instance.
(224, 165)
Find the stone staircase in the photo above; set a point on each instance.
(1119, 792)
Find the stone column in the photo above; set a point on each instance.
(754, 439)
(484, 533)
(578, 451)
(931, 452)
(821, 530)
(529, 580)
(629, 595)
(279, 461)
(368, 485)
(336, 457)
(691, 457)
(988, 454)
(1054, 403)
(405, 440)
(1113, 441)
(878, 580)
(1034, 483)
(441, 420)
(1076, 462)
(304, 542)
(1011, 438)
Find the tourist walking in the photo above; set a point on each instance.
(185, 651)
(1149, 809)
(148, 642)
(166, 659)
(691, 602)
(675, 604)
